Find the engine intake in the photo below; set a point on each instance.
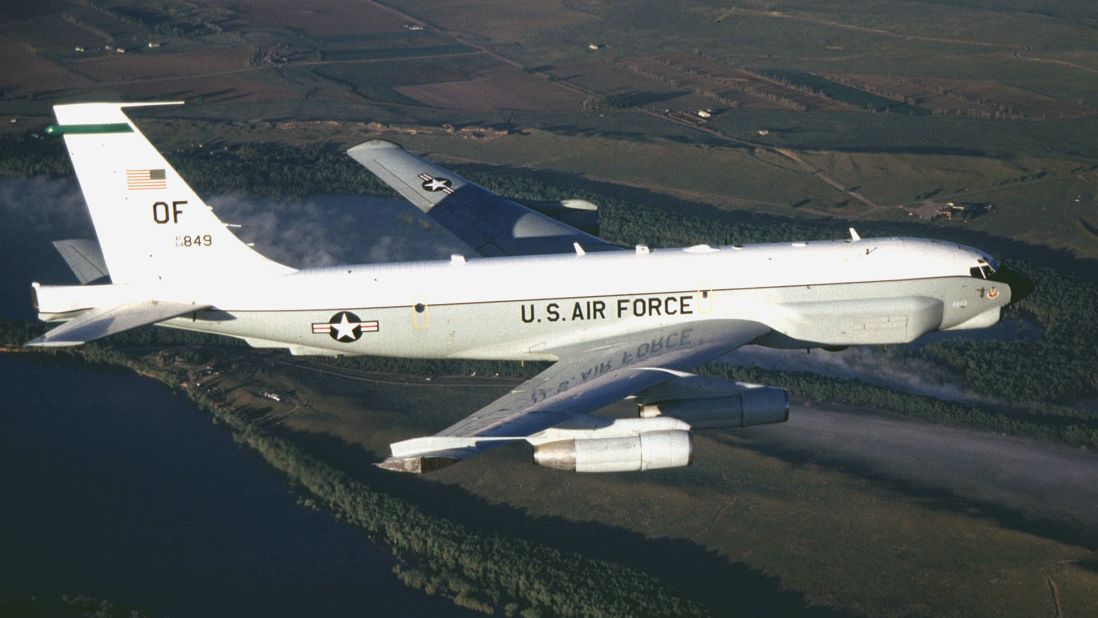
(754, 406)
(649, 450)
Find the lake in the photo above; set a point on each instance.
(120, 490)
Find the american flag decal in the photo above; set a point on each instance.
(137, 180)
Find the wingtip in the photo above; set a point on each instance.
(44, 342)
(373, 145)
(416, 464)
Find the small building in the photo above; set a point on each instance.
(962, 211)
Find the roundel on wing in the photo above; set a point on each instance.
(437, 184)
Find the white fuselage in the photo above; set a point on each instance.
(830, 293)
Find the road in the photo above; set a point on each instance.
(810, 169)
(1030, 485)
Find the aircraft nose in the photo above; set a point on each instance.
(1021, 286)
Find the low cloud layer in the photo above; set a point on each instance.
(867, 364)
(318, 231)
(40, 208)
(337, 229)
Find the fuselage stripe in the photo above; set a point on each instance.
(593, 296)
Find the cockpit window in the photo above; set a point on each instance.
(983, 270)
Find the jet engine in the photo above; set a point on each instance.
(711, 403)
(580, 214)
(646, 451)
(625, 445)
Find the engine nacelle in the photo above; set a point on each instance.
(754, 406)
(580, 214)
(649, 450)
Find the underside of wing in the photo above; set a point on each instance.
(585, 379)
(490, 224)
(99, 323)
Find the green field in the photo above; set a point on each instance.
(846, 94)
(1037, 58)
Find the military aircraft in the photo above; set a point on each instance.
(616, 322)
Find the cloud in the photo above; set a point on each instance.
(43, 209)
(318, 231)
(337, 229)
(867, 364)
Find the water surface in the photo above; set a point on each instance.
(118, 489)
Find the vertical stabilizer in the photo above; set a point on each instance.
(150, 223)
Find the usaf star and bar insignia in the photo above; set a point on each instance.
(433, 184)
(345, 327)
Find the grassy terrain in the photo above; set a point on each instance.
(1024, 77)
(889, 552)
(743, 531)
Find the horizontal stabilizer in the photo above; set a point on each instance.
(84, 258)
(99, 323)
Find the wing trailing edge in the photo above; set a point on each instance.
(586, 378)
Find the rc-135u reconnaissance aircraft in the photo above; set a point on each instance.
(616, 322)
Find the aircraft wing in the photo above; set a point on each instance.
(490, 224)
(585, 379)
(99, 323)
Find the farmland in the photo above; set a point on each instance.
(708, 122)
(836, 112)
